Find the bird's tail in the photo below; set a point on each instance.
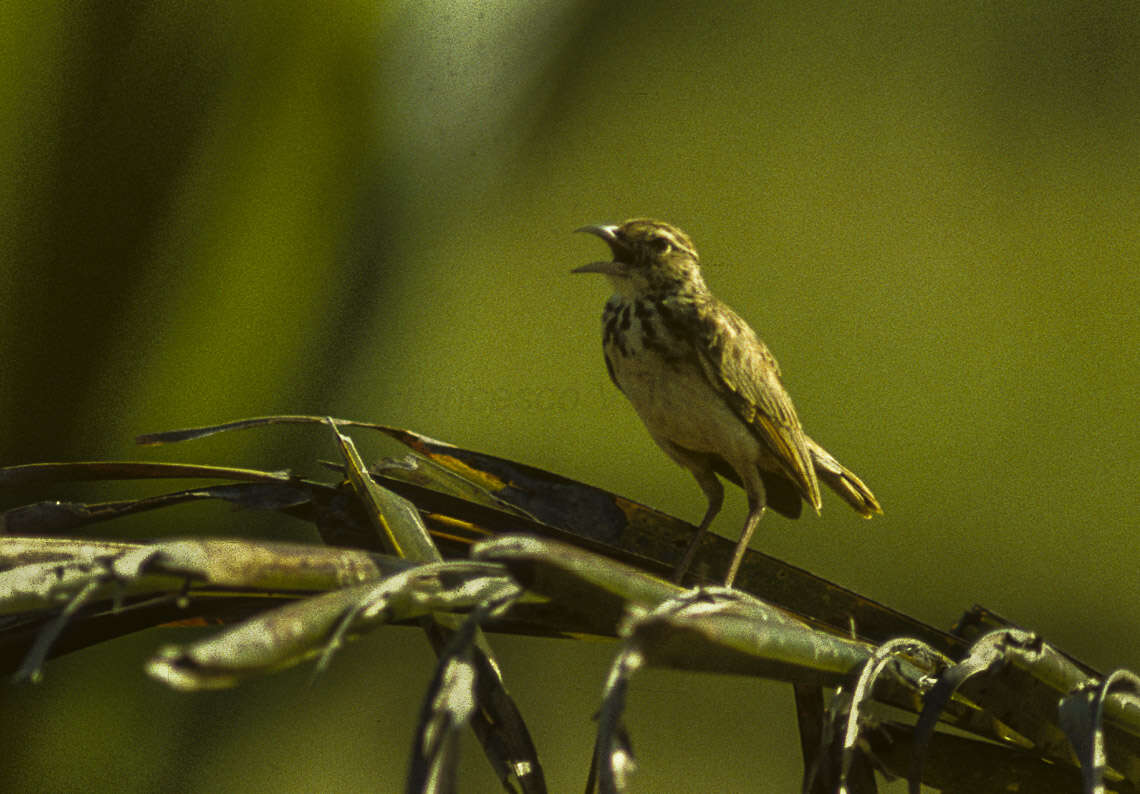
(843, 481)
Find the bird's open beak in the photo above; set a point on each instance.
(609, 234)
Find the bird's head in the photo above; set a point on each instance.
(649, 257)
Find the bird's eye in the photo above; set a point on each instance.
(660, 244)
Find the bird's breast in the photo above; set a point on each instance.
(658, 369)
(639, 331)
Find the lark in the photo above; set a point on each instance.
(706, 387)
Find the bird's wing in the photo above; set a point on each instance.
(746, 374)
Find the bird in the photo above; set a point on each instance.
(706, 387)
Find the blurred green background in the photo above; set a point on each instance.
(929, 211)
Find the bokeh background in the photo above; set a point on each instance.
(216, 210)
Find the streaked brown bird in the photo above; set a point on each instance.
(706, 387)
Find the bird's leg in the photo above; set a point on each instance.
(755, 511)
(714, 492)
